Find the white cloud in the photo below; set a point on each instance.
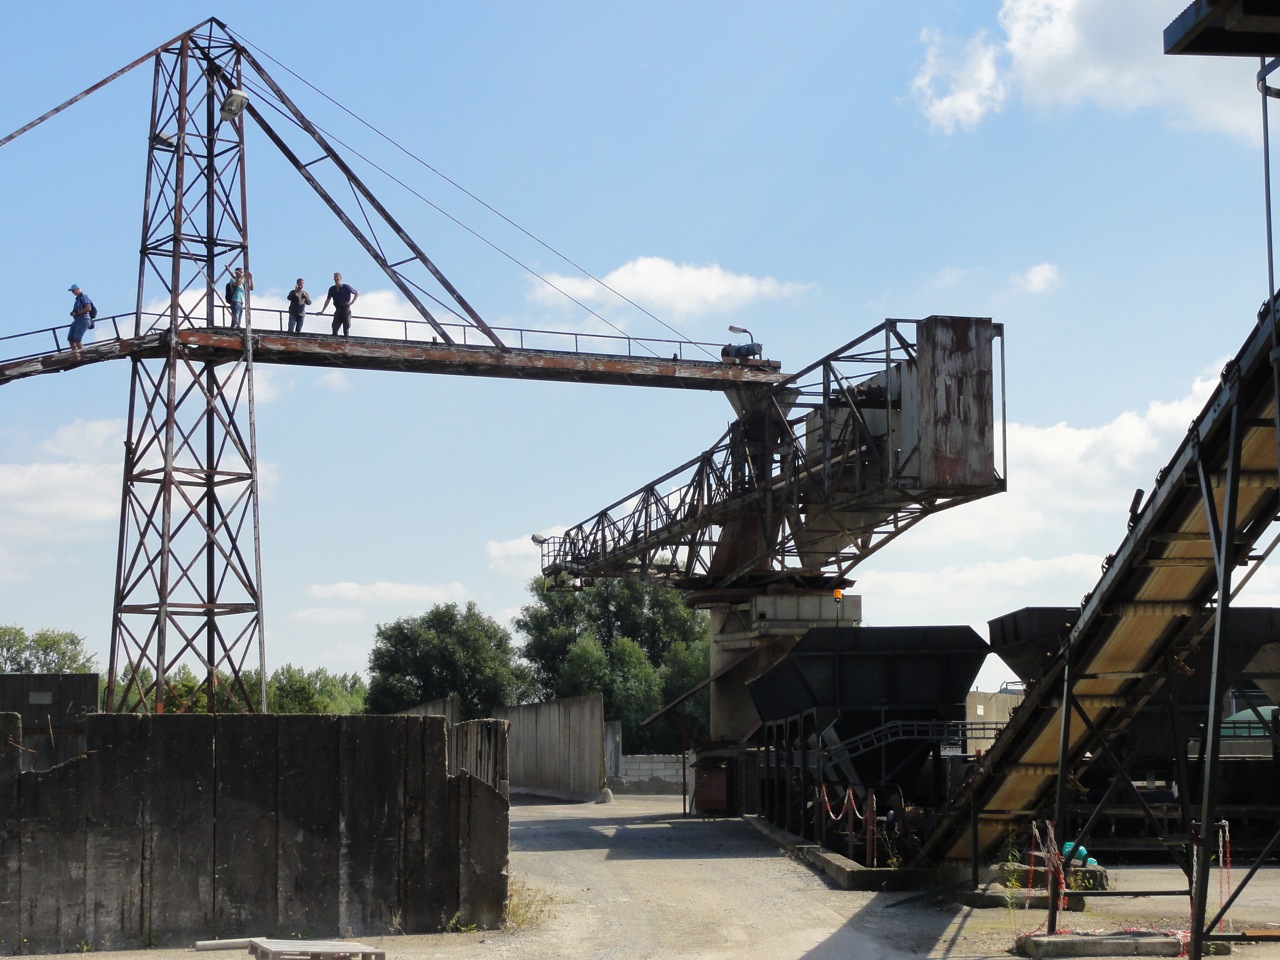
(974, 593)
(59, 495)
(1068, 52)
(520, 556)
(92, 441)
(960, 83)
(383, 592)
(326, 615)
(267, 383)
(336, 380)
(950, 276)
(1038, 279)
(671, 289)
(1066, 506)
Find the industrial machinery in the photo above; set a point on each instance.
(817, 474)
(188, 581)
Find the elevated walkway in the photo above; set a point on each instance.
(397, 344)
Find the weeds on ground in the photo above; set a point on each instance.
(455, 925)
(1079, 881)
(527, 905)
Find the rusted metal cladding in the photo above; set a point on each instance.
(956, 415)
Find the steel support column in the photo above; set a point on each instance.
(187, 621)
(1222, 525)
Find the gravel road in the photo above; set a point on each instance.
(635, 879)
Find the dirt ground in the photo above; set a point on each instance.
(635, 879)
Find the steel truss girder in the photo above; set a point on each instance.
(394, 236)
(188, 572)
(809, 481)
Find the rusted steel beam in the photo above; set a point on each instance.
(364, 353)
(104, 81)
(149, 345)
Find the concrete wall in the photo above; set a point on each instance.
(449, 707)
(171, 829)
(557, 748)
(480, 748)
(983, 707)
(650, 773)
(53, 707)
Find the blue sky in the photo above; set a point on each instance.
(802, 174)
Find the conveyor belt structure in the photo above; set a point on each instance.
(1141, 616)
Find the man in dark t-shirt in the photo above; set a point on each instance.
(343, 296)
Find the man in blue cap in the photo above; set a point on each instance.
(81, 315)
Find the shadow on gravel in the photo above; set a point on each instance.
(902, 925)
(628, 836)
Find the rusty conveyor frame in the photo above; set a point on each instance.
(1212, 503)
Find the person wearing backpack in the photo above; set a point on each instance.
(240, 283)
(82, 313)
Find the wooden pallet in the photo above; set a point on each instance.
(312, 950)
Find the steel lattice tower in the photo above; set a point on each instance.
(188, 575)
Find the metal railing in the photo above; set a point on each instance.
(52, 340)
(942, 731)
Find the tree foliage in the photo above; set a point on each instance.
(45, 651)
(635, 643)
(289, 690)
(683, 668)
(293, 690)
(447, 650)
(653, 616)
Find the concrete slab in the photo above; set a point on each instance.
(263, 949)
(1104, 945)
(851, 875)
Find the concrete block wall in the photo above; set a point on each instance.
(650, 773)
(171, 829)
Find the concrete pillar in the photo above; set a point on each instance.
(770, 625)
(733, 715)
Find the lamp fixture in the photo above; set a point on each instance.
(233, 104)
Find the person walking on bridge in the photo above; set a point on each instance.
(299, 300)
(343, 296)
(82, 312)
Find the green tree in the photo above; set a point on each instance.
(293, 690)
(653, 616)
(289, 690)
(585, 670)
(683, 668)
(45, 651)
(551, 626)
(635, 643)
(447, 650)
(184, 692)
(630, 685)
(636, 693)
